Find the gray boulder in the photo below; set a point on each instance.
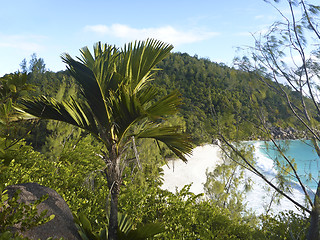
(61, 226)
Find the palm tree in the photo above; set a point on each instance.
(117, 106)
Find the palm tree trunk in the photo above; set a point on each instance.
(113, 218)
(313, 231)
(114, 180)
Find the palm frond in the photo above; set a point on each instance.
(126, 110)
(147, 95)
(179, 143)
(167, 105)
(126, 230)
(125, 225)
(103, 66)
(140, 58)
(145, 231)
(86, 57)
(90, 88)
(73, 112)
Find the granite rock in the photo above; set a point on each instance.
(62, 226)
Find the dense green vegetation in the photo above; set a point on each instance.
(66, 159)
(214, 91)
(210, 92)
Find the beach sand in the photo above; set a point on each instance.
(177, 174)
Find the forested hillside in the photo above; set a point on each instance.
(212, 93)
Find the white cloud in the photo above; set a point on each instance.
(259, 17)
(167, 33)
(101, 29)
(28, 43)
(243, 34)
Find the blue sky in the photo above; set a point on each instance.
(209, 28)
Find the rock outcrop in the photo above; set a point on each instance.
(61, 226)
(288, 133)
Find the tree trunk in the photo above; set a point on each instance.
(114, 180)
(113, 217)
(313, 231)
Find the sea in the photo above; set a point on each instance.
(300, 152)
(258, 200)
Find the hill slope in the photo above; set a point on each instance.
(216, 97)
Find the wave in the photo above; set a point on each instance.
(264, 154)
(300, 152)
(264, 163)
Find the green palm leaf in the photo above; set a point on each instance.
(73, 112)
(126, 110)
(124, 223)
(103, 65)
(90, 89)
(167, 105)
(140, 58)
(145, 231)
(126, 229)
(147, 95)
(179, 143)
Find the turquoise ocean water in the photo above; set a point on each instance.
(305, 158)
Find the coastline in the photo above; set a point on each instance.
(177, 174)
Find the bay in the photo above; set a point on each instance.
(259, 198)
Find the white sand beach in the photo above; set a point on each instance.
(207, 157)
(177, 173)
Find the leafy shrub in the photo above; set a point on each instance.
(185, 214)
(285, 225)
(126, 229)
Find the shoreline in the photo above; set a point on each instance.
(178, 174)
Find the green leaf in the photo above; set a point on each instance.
(124, 223)
(177, 142)
(85, 223)
(167, 105)
(103, 235)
